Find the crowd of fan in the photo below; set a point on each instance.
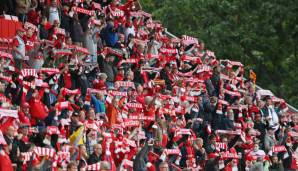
(98, 85)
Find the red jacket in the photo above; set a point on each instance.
(5, 162)
(67, 80)
(37, 108)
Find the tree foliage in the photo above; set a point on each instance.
(262, 34)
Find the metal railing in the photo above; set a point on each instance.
(291, 108)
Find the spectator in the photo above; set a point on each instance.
(110, 70)
(44, 28)
(164, 166)
(256, 150)
(82, 157)
(76, 31)
(128, 30)
(91, 44)
(53, 12)
(276, 165)
(164, 74)
(109, 35)
(212, 162)
(65, 19)
(100, 83)
(19, 49)
(98, 102)
(23, 7)
(4, 158)
(95, 157)
(269, 113)
(72, 166)
(269, 140)
(112, 113)
(104, 166)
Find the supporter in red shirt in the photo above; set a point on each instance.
(5, 161)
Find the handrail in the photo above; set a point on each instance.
(291, 108)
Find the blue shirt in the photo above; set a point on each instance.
(99, 105)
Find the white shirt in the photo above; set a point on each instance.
(273, 115)
(128, 31)
(21, 48)
(53, 15)
(257, 153)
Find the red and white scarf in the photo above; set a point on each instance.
(53, 130)
(128, 61)
(29, 72)
(127, 163)
(131, 123)
(146, 118)
(114, 52)
(228, 155)
(210, 53)
(50, 70)
(130, 142)
(168, 51)
(62, 52)
(84, 11)
(187, 40)
(293, 134)
(95, 91)
(95, 166)
(7, 79)
(124, 84)
(232, 93)
(183, 132)
(222, 146)
(204, 68)
(96, 5)
(136, 14)
(60, 31)
(280, 148)
(134, 105)
(62, 105)
(71, 92)
(28, 25)
(9, 113)
(40, 151)
(6, 55)
(82, 50)
(26, 156)
(117, 13)
(118, 93)
(238, 132)
(138, 41)
(191, 58)
(172, 152)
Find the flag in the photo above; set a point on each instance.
(76, 138)
(252, 76)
